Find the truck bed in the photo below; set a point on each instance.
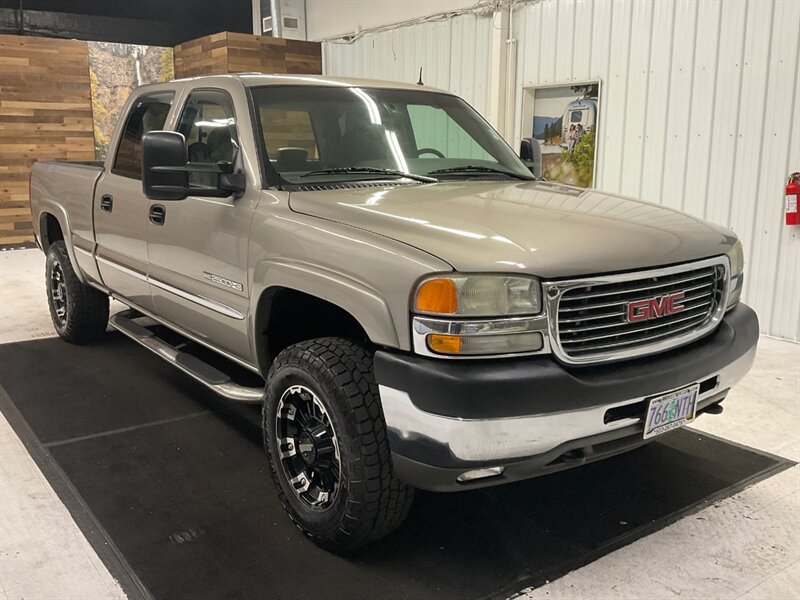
(66, 189)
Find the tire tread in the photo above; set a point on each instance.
(378, 501)
(87, 307)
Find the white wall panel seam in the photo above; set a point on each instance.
(712, 146)
(625, 98)
(601, 138)
(572, 40)
(732, 195)
(691, 114)
(541, 42)
(646, 99)
(591, 41)
(669, 97)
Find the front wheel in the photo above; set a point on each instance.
(79, 312)
(326, 439)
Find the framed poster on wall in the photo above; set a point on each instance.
(563, 119)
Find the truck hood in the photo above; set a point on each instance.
(538, 228)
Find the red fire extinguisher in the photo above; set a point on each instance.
(792, 197)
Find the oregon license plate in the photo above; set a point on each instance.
(671, 411)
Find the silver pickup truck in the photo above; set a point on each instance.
(416, 308)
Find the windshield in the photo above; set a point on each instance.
(314, 134)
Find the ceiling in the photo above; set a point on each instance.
(149, 22)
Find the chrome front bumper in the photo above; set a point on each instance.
(505, 439)
(431, 450)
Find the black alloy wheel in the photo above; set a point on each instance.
(327, 444)
(307, 445)
(79, 311)
(58, 291)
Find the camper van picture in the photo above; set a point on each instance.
(581, 112)
(564, 124)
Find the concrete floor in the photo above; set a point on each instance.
(746, 546)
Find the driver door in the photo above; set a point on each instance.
(198, 246)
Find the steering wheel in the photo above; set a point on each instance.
(433, 151)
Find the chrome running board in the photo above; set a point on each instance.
(203, 372)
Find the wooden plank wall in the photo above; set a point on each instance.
(228, 52)
(46, 107)
(45, 114)
(204, 56)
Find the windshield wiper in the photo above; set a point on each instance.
(478, 169)
(370, 170)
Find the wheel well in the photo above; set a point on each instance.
(50, 230)
(285, 316)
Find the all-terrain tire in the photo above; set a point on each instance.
(79, 312)
(371, 502)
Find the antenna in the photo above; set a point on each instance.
(420, 77)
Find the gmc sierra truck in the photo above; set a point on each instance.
(377, 268)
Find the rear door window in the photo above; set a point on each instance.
(149, 113)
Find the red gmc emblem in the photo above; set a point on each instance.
(653, 308)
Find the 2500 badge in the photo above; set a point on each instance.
(234, 285)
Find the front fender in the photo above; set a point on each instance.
(365, 304)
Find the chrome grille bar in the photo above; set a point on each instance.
(629, 342)
(646, 288)
(588, 317)
(634, 330)
(626, 300)
(592, 317)
(704, 306)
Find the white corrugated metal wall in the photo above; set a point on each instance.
(454, 55)
(700, 106)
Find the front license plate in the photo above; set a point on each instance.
(671, 411)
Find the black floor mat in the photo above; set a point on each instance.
(170, 482)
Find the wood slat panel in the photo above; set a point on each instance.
(203, 56)
(45, 114)
(228, 52)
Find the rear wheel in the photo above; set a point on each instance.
(79, 312)
(326, 440)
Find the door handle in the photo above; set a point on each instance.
(107, 203)
(158, 214)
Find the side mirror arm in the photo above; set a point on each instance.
(233, 183)
(228, 181)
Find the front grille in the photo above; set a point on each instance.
(592, 315)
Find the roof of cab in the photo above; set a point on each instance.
(260, 79)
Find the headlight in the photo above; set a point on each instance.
(479, 296)
(512, 304)
(736, 258)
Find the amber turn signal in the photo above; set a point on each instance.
(437, 296)
(444, 344)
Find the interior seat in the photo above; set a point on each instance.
(198, 152)
(220, 145)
